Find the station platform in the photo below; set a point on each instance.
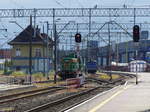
(126, 98)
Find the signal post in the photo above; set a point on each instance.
(136, 37)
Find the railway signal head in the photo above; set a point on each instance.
(136, 33)
(78, 37)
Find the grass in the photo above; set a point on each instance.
(107, 77)
(50, 84)
(8, 109)
(38, 76)
(18, 74)
(1, 72)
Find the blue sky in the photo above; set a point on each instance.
(70, 3)
(4, 4)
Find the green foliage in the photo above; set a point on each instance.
(18, 74)
(8, 63)
(52, 72)
(1, 72)
(5, 71)
(38, 76)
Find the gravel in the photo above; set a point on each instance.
(28, 103)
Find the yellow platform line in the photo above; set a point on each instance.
(107, 100)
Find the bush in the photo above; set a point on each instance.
(38, 76)
(51, 75)
(18, 74)
(52, 72)
(1, 72)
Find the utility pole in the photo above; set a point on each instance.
(43, 52)
(47, 47)
(88, 49)
(34, 23)
(117, 47)
(30, 55)
(30, 34)
(55, 54)
(109, 51)
(55, 47)
(126, 52)
(134, 15)
(136, 47)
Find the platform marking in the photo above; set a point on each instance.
(107, 100)
(105, 92)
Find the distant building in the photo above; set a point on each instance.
(125, 52)
(92, 49)
(41, 54)
(5, 53)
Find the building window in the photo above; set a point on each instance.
(38, 52)
(18, 52)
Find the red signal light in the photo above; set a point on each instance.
(78, 38)
(136, 33)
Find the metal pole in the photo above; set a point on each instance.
(109, 50)
(88, 50)
(136, 67)
(117, 54)
(89, 22)
(127, 52)
(47, 51)
(134, 16)
(30, 55)
(34, 23)
(136, 45)
(55, 47)
(43, 53)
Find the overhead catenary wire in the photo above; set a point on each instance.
(59, 3)
(9, 33)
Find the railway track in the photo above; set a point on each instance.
(27, 94)
(106, 82)
(131, 75)
(27, 102)
(70, 101)
(47, 105)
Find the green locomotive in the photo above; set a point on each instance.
(71, 66)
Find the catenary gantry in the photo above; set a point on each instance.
(76, 12)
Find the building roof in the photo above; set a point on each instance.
(25, 36)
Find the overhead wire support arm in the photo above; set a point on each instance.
(63, 28)
(102, 38)
(121, 28)
(99, 29)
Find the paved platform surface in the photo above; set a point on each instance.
(126, 98)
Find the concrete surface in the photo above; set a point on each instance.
(126, 98)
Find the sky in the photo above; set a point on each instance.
(71, 3)
(17, 4)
